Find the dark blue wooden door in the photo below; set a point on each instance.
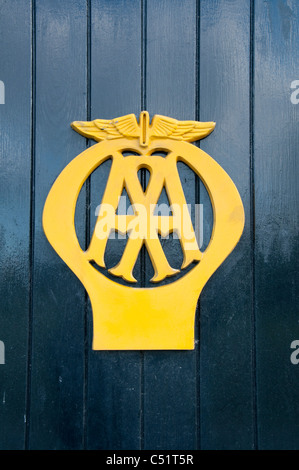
(230, 61)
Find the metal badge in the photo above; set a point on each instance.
(126, 316)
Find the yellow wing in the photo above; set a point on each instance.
(127, 126)
(163, 126)
(101, 129)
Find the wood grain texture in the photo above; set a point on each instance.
(170, 395)
(58, 297)
(226, 369)
(113, 391)
(276, 142)
(15, 167)
(229, 61)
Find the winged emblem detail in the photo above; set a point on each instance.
(162, 127)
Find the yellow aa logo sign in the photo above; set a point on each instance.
(127, 317)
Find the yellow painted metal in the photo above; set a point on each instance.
(124, 316)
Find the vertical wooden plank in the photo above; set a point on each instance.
(15, 163)
(113, 405)
(226, 367)
(276, 146)
(58, 297)
(170, 376)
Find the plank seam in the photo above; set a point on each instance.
(87, 224)
(252, 221)
(32, 225)
(143, 183)
(197, 201)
